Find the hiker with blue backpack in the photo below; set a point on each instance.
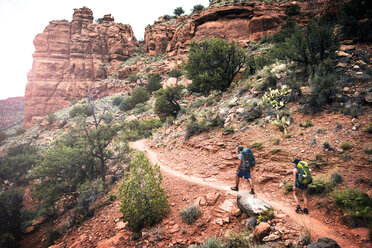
(246, 162)
(301, 179)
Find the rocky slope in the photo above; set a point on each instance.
(240, 21)
(71, 58)
(11, 113)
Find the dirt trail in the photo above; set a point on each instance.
(316, 227)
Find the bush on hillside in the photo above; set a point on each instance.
(355, 202)
(178, 11)
(135, 130)
(10, 218)
(15, 164)
(88, 193)
(126, 104)
(213, 64)
(323, 85)
(142, 199)
(356, 19)
(293, 9)
(309, 45)
(132, 78)
(166, 101)
(197, 8)
(3, 137)
(175, 73)
(117, 101)
(190, 214)
(153, 83)
(139, 95)
(81, 110)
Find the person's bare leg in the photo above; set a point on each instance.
(295, 191)
(305, 198)
(237, 182)
(250, 182)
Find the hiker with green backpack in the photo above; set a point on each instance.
(246, 162)
(301, 179)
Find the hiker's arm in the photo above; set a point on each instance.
(294, 178)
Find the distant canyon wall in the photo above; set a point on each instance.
(71, 58)
(239, 21)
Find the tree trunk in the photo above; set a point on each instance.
(102, 169)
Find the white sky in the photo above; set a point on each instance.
(22, 20)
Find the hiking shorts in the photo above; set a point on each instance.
(244, 173)
(300, 185)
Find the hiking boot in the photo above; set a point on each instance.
(306, 211)
(298, 209)
(252, 192)
(235, 188)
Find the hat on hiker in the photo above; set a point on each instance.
(240, 148)
(296, 161)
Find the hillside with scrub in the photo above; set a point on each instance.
(147, 156)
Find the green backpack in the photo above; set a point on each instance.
(303, 172)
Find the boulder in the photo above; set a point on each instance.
(324, 243)
(262, 230)
(250, 204)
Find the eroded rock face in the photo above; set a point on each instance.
(242, 23)
(71, 58)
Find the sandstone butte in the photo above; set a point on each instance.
(73, 58)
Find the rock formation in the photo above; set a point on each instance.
(242, 22)
(72, 58)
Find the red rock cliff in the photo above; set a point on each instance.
(242, 22)
(72, 57)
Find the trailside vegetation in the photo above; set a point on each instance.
(212, 64)
(166, 101)
(142, 199)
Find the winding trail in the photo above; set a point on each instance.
(316, 227)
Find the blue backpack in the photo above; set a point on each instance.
(248, 157)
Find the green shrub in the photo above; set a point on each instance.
(3, 137)
(197, 8)
(51, 118)
(10, 218)
(265, 216)
(324, 85)
(126, 104)
(178, 11)
(212, 243)
(166, 101)
(51, 237)
(135, 130)
(153, 83)
(132, 78)
(336, 178)
(268, 82)
(368, 127)
(88, 193)
(368, 149)
(345, 145)
(175, 73)
(213, 64)
(355, 17)
(320, 186)
(257, 144)
(288, 187)
(355, 202)
(15, 164)
(238, 239)
(190, 214)
(307, 123)
(308, 46)
(142, 199)
(276, 141)
(117, 101)
(228, 130)
(81, 110)
(20, 131)
(139, 95)
(293, 9)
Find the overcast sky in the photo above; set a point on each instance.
(22, 20)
